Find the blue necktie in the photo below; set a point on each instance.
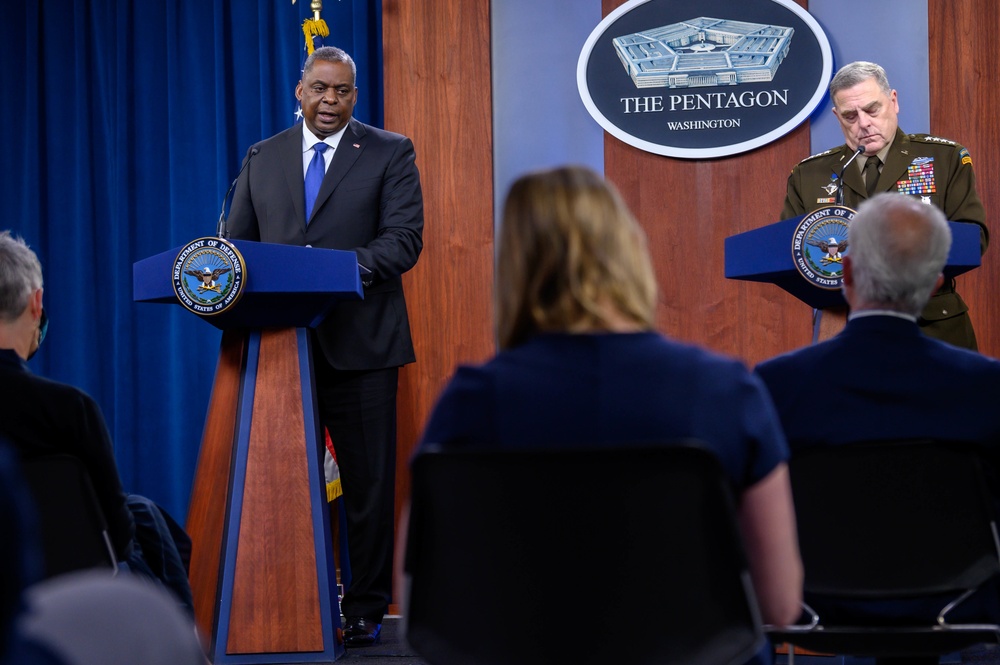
(314, 177)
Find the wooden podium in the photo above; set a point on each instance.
(262, 566)
(765, 255)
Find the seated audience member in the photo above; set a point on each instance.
(40, 417)
(580, 362)
(80, 618)
(880, 376)
(19, 558)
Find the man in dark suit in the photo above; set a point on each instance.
(44, 417)
(368, 202)
(929, 168)
(880, 378)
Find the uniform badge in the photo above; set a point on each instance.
(208, 276)
(966, 157)
(819, 244)
(919, 177)
(831, 190)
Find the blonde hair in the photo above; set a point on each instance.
(571, 257)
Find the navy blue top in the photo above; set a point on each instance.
(610, 389)
(881, 378)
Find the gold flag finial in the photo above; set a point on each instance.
(314, 26)
(316, 6)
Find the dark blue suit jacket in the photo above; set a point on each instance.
(370, 203)
(881, 378)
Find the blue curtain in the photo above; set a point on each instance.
(123, 123)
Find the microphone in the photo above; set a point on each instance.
(221, 229)
(840, 178)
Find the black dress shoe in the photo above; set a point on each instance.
(360, 632)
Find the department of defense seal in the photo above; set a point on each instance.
(819, 245)
(209, 275)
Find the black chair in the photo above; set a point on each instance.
(892, 522)
(586, 556)
(74, 532)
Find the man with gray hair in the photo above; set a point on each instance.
(879, 371)
(930, 169)
(881, 376)
(41, 417)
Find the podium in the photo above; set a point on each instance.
(262, 566)
(765, 255)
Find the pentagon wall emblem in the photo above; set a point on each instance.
(703, 52)
(819, 245)
(209, 275)
(740, 75)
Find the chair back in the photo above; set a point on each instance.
(74, 532)
(893, 519)
(577, 556)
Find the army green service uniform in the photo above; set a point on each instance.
(936, 170)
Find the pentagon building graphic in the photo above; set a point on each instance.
(703, 52)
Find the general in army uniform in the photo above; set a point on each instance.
(936, 170)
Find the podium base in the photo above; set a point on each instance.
(262, 569)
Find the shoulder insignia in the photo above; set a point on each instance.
(927, 138)
(821, 154)
(966, 157)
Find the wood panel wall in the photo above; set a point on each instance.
(965, 107)
(437, 82)
(688, 208)
(437, 78)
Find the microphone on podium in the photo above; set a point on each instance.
(221, 229)
(840, 177)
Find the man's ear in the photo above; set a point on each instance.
(847, 282)
(35, 304)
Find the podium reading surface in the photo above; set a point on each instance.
(765, 255)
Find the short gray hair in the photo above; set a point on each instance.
(858, 72)
(20, 275)
(898, 247)
(331, 54)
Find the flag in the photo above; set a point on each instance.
(313, 30)
(331, 470)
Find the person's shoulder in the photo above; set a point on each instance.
(939, 143)
(931, 139)
(960, 359)
(371, 131)
(68, 393)
(696, 360)
(795, 361)
(293, 133)
(818, 157)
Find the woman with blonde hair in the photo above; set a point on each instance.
(580, 363)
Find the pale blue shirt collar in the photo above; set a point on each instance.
(881, 312)
(309, 140)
